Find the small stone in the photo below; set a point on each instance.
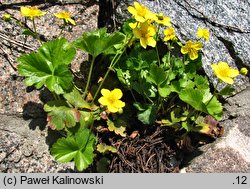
(2, 156)
(27, 149)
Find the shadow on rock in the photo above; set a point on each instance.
(189, 157)
(35, 112)
(52, 137)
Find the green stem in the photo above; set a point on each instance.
(61, 31)
(132, 95)
(157, 53)
(214, 93)
(89, 77)
(34, 27)
(113, 62)
(156, 48)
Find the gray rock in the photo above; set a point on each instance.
(230, 153)
(228, 22)
(25, 150)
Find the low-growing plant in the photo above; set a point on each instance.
(162, 83)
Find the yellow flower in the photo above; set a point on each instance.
(224, 72)
(141, 13)
(191, 49)
(133, 25)
(164, 20)
(169, 34)
(243, 71)
(203, 33)
(111, 99)
(7, 17)
(31, 12)
(65, 16)
(145, 32)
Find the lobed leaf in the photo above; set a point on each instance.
(98, 42)
(157, 75)
(193, 97)
(75, 98)
(49, 66)
(146, 113)
(103, 148)
(79, 147)
(118, 129)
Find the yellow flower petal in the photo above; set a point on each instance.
(151, 42)
(193, 54)
(105, 92)
(191, 49)
(143, 42)
(151, 31)
(111, 99)
(139, 18)
(72, 21)
(140, 12)
(116, 93)
(119, 104)
(113, 109)
(161, 19)
(203, 33)
(132, 10)
(224, 72)
(198, 46)
(233, 72)
(31, 12)
(103, 101)
(133, 25)
(137, 5)
(184, 50)
(228, 80)
(65, 16)
(25, 11)
(169, 34)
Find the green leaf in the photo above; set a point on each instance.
(215, 108)
(75, 98)
(126, 28)
(187, 126)
(164, 89)
(177, 116)
(103, 148)
(87, 119)
(117, 128)
(198, 100)
(147, 113)
(144, 88)
(193, 97)
(156, 75)
(49, 66)
(98, 42)
(28, 32)
(201, 82)
(79, 147)
(194, 65)
(136, 64)
(228, 90)
(60, 116)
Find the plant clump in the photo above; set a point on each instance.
(143, 84)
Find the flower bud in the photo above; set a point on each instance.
(243, 71)
(7, 17)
